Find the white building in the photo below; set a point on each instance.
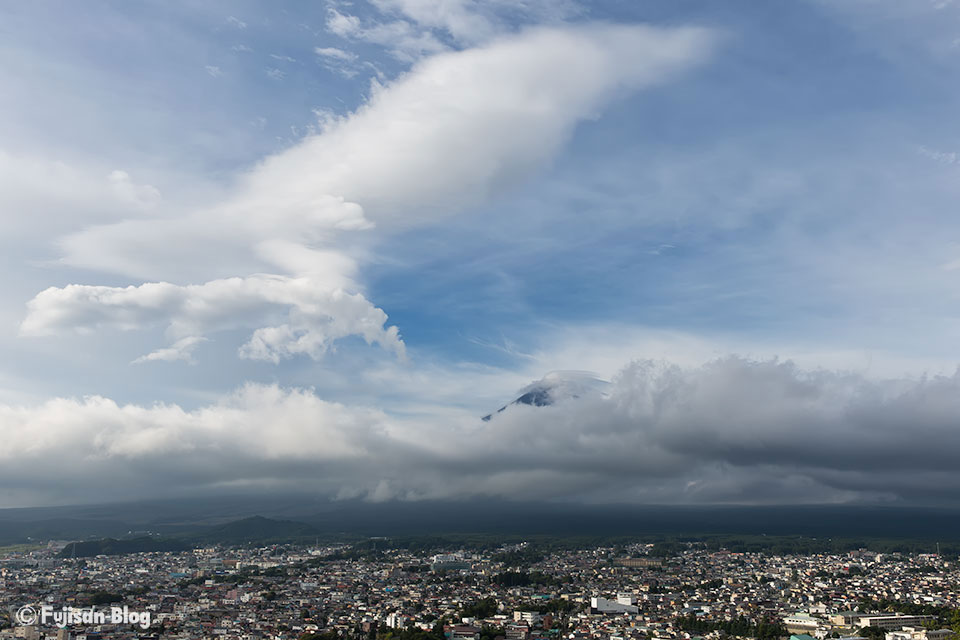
(801, 621)
(917, 633)
(893, 622)
(530, 617)
(396, 620)
(602, 605)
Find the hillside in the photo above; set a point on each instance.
(114, 547)
(258, 529)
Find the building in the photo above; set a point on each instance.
(602, 605)
(529, 617)
(915, 633)
(801, 622)
(893, 622)
(449, 562)
(463, 632)
(639, 563)
(516, 632)
(844, 618)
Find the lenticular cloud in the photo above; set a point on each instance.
(456, 129)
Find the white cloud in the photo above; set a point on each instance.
(601, 347)
(142, 195)
(213, 71)
(345, 63)
(42, 199)
(945, 157)
(316, 315)
(511, 105)
(257, 432)
(336, 54)
(409, 29)
(223, 239)
(236, 22)
(182, 349)
(461, 126)
(456, 130)
(404, 40)
(460, 18)
(341, 24)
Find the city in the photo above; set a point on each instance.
(623, 592)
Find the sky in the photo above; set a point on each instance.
(255, 247)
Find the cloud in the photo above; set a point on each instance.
(798, 247)
(404, 40)
(230, 237)
(341, 24)
(345, 63)
(718, 432)
(104, 446)
(182, 349)
(410, 29)
(733, 430)
(454, 131)
(510, 106)
(460, 18)
(945, 157)
(66, 195)
(236, 22)
(316, 315)
(462, 126)
(213, 71)
(336, 54)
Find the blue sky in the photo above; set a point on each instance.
(207, 205)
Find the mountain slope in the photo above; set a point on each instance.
(555, 387)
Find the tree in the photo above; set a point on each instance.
(480, 609)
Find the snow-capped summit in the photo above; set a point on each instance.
(557, 386)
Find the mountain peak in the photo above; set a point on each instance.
(555, 387)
